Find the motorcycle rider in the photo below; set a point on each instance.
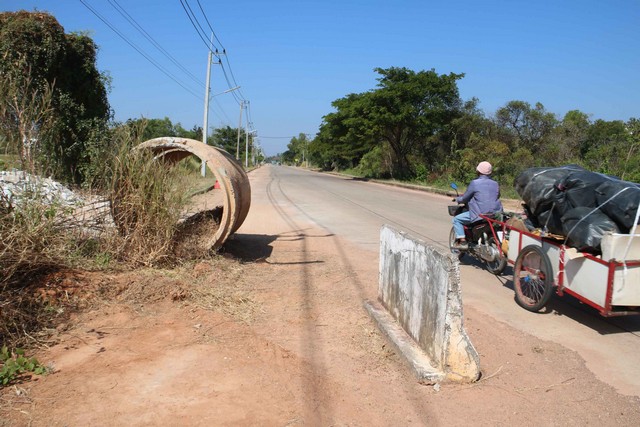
(482, 196)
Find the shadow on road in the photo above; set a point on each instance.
(571, 307)
(249, 247)
(257, 247)
(576, 310)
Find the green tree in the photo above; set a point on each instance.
(630, 169)
(408, 109)
(194, 133)
(297, 149)
(607, 146)
(159, 128)
(566, 139)
(227, 139)
(35, 53)
(404, 113)
(529, 126)
(344, 135)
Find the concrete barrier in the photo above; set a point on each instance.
(421, 312)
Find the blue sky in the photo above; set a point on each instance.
(293, 58)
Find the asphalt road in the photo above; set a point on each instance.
(356, 209)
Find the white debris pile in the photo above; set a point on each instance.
(16, 185)
(90, 213)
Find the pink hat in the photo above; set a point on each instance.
(484, 168)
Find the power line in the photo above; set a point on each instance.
(278, 137)
(210, 27)
(232, 76)
(223, 112)
(231, 84)
(139, 50)
(249, 114)
(148, 36)
(204, 40)
(195, 23)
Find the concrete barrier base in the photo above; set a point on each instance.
(421, 308)
(417, 359)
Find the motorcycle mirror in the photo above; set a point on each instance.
(455, 187)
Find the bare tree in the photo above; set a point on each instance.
(26, 115)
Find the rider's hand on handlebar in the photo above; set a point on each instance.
(453, 200)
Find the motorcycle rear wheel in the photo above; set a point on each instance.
(498, 265)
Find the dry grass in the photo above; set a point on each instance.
(146, 203)
(34, 241)
(194, 236)
(215, 284)
(38, 237)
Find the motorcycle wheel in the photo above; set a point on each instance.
(500, 263)
(452, 242)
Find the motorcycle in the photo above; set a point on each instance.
(484, 242)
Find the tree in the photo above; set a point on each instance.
(566, 139)
(297, 149)
(631, 165)
(606, 147)
(227, 139)
(530, 126)
(36, 54)
(404, 113)
(344, 135)
(159, 128)
(25, 117)
(410, 108)
(194, 133)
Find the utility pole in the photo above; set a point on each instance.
(253, 152)
(205, 126)
(239, 127)
(246, 148)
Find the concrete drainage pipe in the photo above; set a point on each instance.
(230, 175)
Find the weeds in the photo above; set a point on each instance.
(14, 365)
(32, 237)
(39, 235)
(146, 204)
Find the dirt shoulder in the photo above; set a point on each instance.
(274, 333)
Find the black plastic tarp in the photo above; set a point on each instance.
(552, 196)
(584, 228)
(619, 200)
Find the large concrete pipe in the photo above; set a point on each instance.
(231, 176)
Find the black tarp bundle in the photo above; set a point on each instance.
(579, 204)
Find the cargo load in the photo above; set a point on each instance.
(580, 205)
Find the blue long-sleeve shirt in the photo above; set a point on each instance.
(483, 197)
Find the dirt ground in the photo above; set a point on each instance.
(273, 333)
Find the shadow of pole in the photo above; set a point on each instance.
(313, 350)
(420, 406)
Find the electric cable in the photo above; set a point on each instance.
(204, 40)
(136, 25)
(139, 50)
(224, 51)
(210, 27)
(231, 83)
